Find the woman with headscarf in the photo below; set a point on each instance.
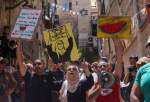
(74, 89)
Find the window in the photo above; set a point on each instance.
(93, 3)
(76, 3)
(120, 1)
(70, 5)
(83, 12)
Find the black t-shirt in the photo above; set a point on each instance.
(12, 53)
(57, 79)
(80, 94)
(38, 87)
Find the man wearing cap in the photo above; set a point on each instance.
(7, 82)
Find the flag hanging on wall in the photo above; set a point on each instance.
(113, 27)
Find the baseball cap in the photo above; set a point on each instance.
(143, 60)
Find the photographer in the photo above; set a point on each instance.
(128, 81)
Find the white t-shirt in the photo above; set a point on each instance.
(95, 77)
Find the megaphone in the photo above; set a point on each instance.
(106, 79)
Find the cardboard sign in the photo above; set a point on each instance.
(26, 23)
(60, 44)
(114, 27)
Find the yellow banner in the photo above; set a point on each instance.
(61, 44)
(114, 27)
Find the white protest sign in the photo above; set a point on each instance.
(26, 23)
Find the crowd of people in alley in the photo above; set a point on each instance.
(74, 81)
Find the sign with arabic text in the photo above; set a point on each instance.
(60, 44)
(26, 23)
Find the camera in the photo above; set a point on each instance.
(132, 69)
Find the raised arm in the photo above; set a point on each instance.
(89, 78)
(20, 60)
(126, 78)
(53, 55)
(119, 54)
(135, 93)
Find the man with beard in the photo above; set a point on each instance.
(38, 81)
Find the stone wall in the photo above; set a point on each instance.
(136, 43)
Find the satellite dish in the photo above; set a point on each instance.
(106, 79)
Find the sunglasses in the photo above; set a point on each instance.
(104, 66)
(37, 63)
(74, 69)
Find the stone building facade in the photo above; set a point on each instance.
(135, 45)
(78, 13)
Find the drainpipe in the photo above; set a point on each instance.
(139, 37)
(103, 12)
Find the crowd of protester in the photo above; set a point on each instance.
(79, 81)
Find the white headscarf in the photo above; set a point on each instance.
(70, 86)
